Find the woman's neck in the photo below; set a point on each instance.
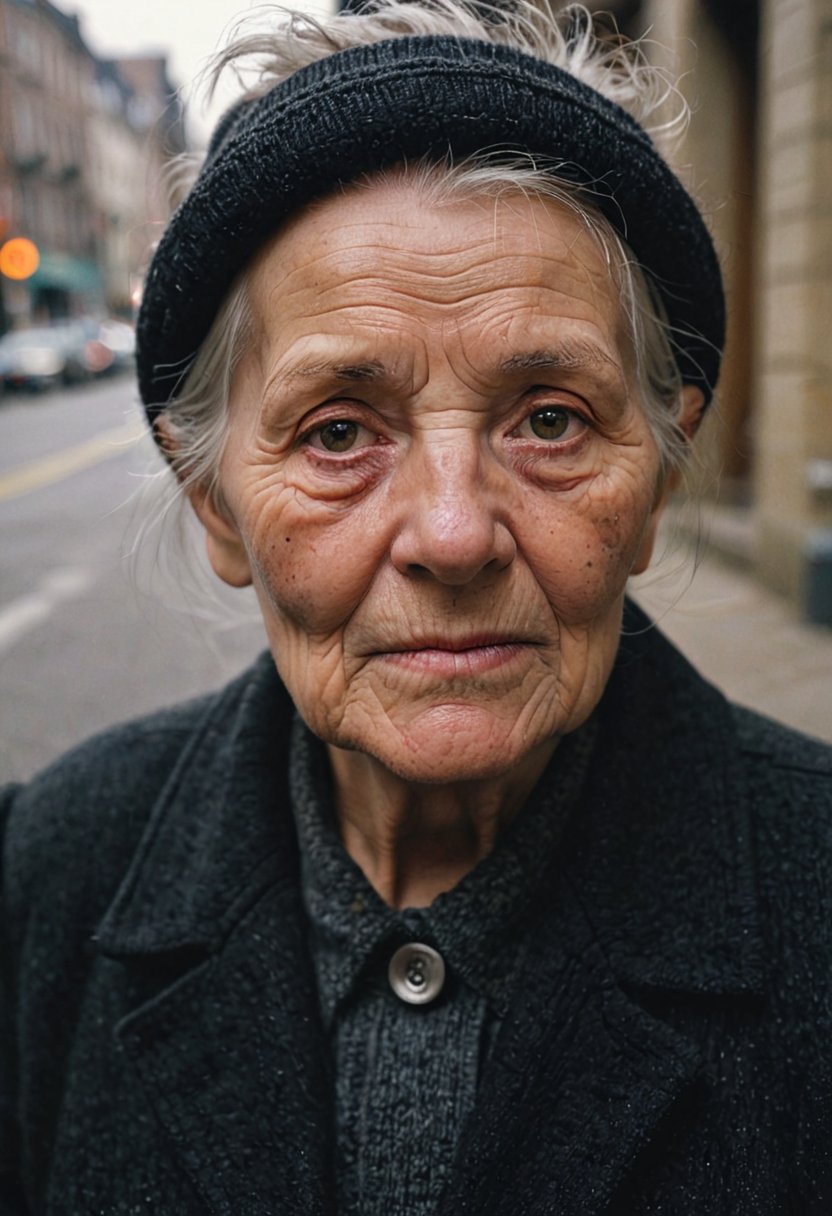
(414, 841)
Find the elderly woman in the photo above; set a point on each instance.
(470, 896)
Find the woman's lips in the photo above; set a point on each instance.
(453, 659)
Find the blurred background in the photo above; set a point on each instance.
(100, 617)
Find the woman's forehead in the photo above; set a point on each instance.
(399, 216)
(385, 258)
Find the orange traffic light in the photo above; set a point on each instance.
(19, 258)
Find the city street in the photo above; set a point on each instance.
(92, 631)
(85, 640)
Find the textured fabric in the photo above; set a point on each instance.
(405, 1081)
(666, 1049)
(406, 1077)
(371, 107)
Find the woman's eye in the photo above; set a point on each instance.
(552, 422)
(339, 435)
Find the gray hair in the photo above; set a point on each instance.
(196, 421)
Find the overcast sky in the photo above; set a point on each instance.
(188, 31)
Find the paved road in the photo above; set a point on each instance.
(90, 636)
(84, 638)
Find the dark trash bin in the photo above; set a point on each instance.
(818, 577)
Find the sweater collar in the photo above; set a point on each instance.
(477, 927)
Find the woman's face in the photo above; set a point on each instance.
(439, 475)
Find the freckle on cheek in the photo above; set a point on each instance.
(609, 532)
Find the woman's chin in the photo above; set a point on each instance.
(453, 743)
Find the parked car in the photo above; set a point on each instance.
(119, 340)
(32, 358)
(65, 353)
(46, 355)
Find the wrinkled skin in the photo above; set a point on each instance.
(440, 563)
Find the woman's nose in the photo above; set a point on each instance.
(450, 527)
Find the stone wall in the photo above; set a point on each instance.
(793, 382)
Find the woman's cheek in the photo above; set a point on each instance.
(312, 565)
(590, 553)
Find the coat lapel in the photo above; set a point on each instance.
(661, 856)
(231, 1062)
(579, 1079)
(223, 1032)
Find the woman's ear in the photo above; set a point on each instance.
(648, 540)
(226, 551)
(691, 409)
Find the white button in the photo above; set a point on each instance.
(416, 973)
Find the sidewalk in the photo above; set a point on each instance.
(742, 637)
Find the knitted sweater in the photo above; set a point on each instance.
(407, 1063)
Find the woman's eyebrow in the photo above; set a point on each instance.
(572, 356)
(365, 372)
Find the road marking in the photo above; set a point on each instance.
(49, 469)
(23, 614)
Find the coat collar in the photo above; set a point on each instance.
(662, 859)
(220, 832)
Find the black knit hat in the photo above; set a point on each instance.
(374, 106)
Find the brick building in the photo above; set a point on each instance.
(46, 80)
(82, 147)
(135, 127)
(159, 115)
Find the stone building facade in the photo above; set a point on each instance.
(758, 155)
(793, 320)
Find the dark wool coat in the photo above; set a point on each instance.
(670, 1046)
